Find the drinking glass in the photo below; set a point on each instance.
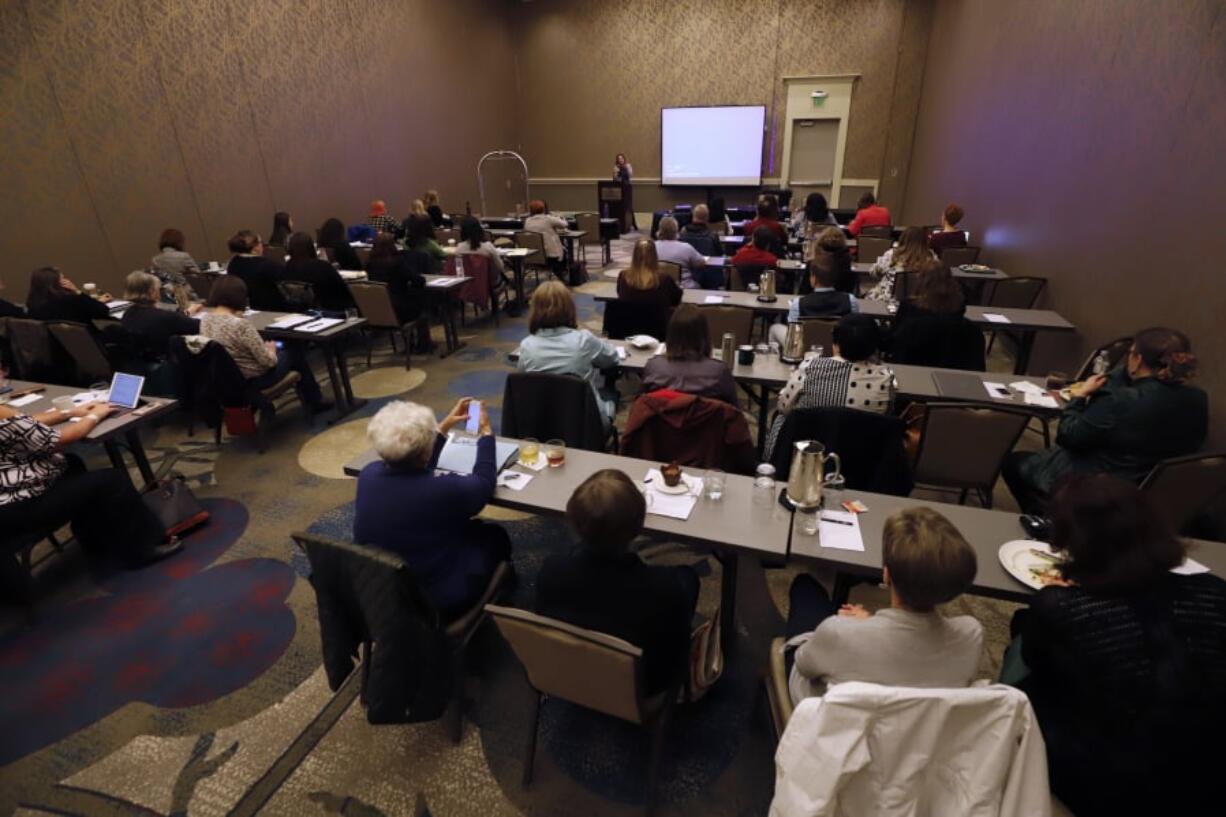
(529, 450)
(555, 453)
(833, 483)
(713, 484)
(64, 404)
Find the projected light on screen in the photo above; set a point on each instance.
(712, 146)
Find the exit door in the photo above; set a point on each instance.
(814, 145)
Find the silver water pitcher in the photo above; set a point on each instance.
(808, 473)
(766, 286)
(793, 349)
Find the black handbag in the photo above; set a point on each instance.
(175, 506)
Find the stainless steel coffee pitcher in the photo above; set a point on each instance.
(793, 350)
(808, 473)
(766, 286)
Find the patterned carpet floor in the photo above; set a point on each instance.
(195, 687)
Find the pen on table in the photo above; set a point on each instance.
(836, 521)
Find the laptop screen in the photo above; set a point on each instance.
(125, 390)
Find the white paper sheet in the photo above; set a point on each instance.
(1190, 567)
(539, 464)
(841, 531)
(515, 480)
(290, 321)
(319, 325)
(353, 275)
(118, 305)
(26, 400)
(993, 317)
(444, 282)
(714, 299)
(1041, 400)
(996, 391)
(1026, 387)
(677, 506)
(621, 353)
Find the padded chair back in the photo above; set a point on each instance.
(201, 283)
(479, 290)
(1017, 293)
(670, 269)
(819, 332)
(947, 342)
(368, 594)
(957, 256)
(1116, 350)
(1184, 487)
(374, 304)
(590, 224)
(964, 445)
(625, 318)
(734, 319)
(904, 285)
(299, 296)
(869, 248)
(879, 231)
(531, 241)
(34, 355)
(79, 343)
(275, 253)
(869, 445)
(653, 433)
(552, 406)
(582, 666)
(742, 275)
(718, 227)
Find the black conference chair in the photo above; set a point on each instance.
(554, 406)
(622, 319)
(869, 445)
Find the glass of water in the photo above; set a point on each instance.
(713, 484)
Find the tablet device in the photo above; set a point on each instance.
(125, 390)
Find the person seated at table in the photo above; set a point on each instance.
(433, 209)
(758, 253)
(419, 236)
(908, 255)
(378, 219)
(1121, 423)
(428, 518)
(823, 301)
(150, 326)
(642, 282)
(719, 213)
(690, 260)
(830, 252)
(558, 346)
(869, 214)
(768, 217)
(257, 272)
(811, 220)
(926, 562)
(540, 221)
(261, 363)
(171, 265)
(42, 488)
(282, 229)
(852, 377)
(472, 242)
(1123, 661)
(52, 296)
(698, 233)
(331, 236)
(687, 365)
(935, 292)
(305, 265)
(405, 276)
(949, 236)
(8, 309)
(604, 586)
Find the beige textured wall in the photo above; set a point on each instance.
(1085, 142)
(121, 117)
(594, 74)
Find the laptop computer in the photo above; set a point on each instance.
(125, 392)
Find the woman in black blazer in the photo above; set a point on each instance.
(53, 297)
(331, 235)
(304, 265)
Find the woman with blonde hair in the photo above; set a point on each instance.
(558, 346)
(907, 256)
(642, 283)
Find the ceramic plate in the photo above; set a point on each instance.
(680, 488)
(1022, 559)
(642, 341)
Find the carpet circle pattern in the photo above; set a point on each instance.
(387, 381)
(325, 454)
(179, 633)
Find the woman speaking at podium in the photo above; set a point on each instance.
(623, 172)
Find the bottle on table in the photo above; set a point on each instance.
(728, 349)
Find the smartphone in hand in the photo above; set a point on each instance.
(474, 417)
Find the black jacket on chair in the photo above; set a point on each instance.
(869, 445)
(944, 341)
(368, 595)
(552, 406)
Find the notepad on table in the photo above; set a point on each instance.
(290, 321)
(319, 325)
(459, 455)
(714, 299)
(840, 531)
(995, 317)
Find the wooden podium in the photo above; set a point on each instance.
(614, 199)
